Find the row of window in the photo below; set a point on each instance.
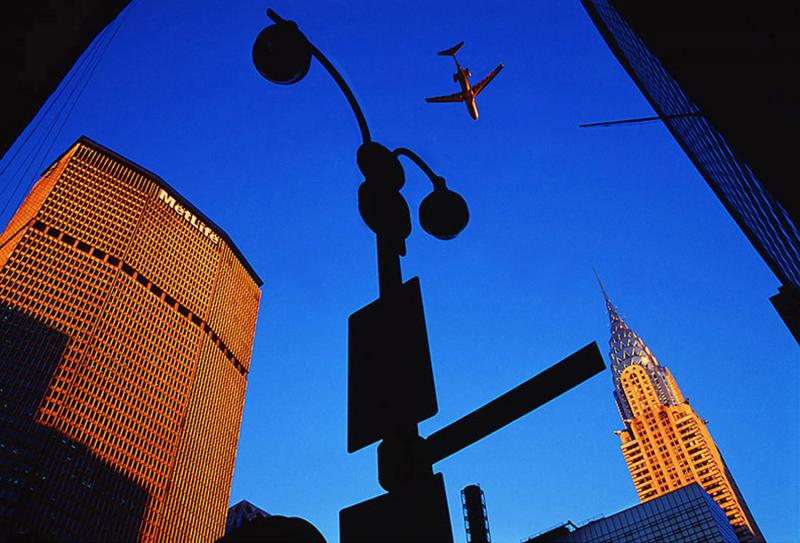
(142, 280)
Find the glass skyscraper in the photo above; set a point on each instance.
(126, 327)
(685, 515)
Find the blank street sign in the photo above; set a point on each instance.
(390, 380)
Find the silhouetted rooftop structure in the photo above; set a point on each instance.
(476, 520)
(247, 522)
(241, 513)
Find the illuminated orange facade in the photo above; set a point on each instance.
(126, 329)
(666, 445)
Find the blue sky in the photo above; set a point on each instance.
(176, 92)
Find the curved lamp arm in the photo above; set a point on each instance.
(438, 181)
(351, 99)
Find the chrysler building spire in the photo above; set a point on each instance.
(666, 445)
(627, 349)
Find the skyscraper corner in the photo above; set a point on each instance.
(696, 67)
(127, 320)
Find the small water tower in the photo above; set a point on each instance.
(476, 521)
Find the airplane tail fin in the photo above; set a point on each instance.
(452, 51)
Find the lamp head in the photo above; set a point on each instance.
(443, 213)
(281, 53)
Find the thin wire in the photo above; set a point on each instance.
(25, 167)
(92, 60)
(75, 75)
(42, 114)
(22, 169)
(83, 88)
(641, 120)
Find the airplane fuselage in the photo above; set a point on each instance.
(462, 77)
(468, 92)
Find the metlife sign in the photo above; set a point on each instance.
(188, 216)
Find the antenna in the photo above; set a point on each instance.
(599, 282)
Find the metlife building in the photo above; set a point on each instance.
(126, 329)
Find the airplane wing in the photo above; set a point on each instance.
(457, 97)
(477, 88)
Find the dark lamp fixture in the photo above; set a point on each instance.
(281, 52)
(443, 213)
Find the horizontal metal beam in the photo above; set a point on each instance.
(515, 403)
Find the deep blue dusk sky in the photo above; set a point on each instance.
(177, 93)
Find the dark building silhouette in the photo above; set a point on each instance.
(42, 40)
(723, 79)
(47, 477)
(242, 513)
(246, 522)
(476, 520)
(686, 515)
(126, 328)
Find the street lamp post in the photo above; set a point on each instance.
(390, 378)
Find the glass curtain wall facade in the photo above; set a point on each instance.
(665, 443)
(126, 329)
(686, 515)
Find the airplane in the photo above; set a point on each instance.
(468, 92)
